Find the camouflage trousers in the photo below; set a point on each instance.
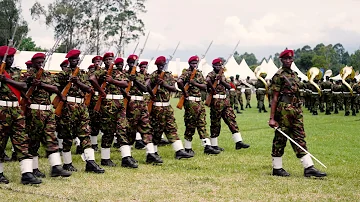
(12, 123)
(113, 121)
(336, 100)
(248, 96)
(139, 121)
(41, 126)
(220, 108)
(290, 120)
(322, 102)
(315, 101)
(239, 97)
(194, 118)
(94, 117)
(74, 122)
(341, 101)
(260, 96)
(233, 100)
(347, 102)
(146, 97)
(328, 100)
(163, 121)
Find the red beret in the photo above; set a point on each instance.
(98, 57)
(91, 66)
(217, 60)
(193, 58)
(286, 53)
(65, 62)
(3, 49)
(143, 63)
(28, 62)
(160, 60)
(132, 58)
(73, 53)
(118, 60)
(108, 54)
(38, 55)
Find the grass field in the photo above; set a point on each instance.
(234, 175)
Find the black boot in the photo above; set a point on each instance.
(242, 107)
(218, 148)
(92, 166)
(94, 146)
(312, 171)
(280, 172)
(79, 150)
(57, 171)
(69, 167)
(336, 111)
(246, 106)
(347, 113)
(259, 110)
(153, 158)
(14, 156)
(264, 109)
(190, 151)
(163, 142)
(139, 144)
(107, 162)
(3, 179)
(29, 178)
(315, 113)
(240, 145)
(249, 106)
(353, 113)
(38, 173)
(116, 145)
(238, 111)
(327, 112)
(322, 110)
(129, 162)
(182, 154)
(210, 150)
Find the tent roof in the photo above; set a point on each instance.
(270, 69)
(245, 70)
(300, 74)
(232, 67)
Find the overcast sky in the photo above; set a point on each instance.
(263, 27)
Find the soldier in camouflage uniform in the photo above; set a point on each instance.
(28, 65)
(269, 93)
(138, 115)
(12, 119)
(248, 92)
(356, 90)
(74, 120)
(195, 114)
(232, 93)
(287, 115)
(40, 119)
(337, 91)
(315, 98)
(322, 97)
(326, 87)
(260, 93)
(94, 116)
(162, 118)
(239, 87)
(347, 97)
(220, 108)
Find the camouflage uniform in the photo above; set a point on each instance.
(248, 93)
(239, 98)
(326, 87)
(232, 94)
(337, 92)
(315, 99)
(146, 94)
(347, 99)
(288, 112)
(260, 94)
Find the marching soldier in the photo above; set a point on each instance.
(315, 98)
(40, 119)
(354, 101)
(286, 114)
(162, 114)
(220, 108)
(113, 113)
(260, 93)
(13, 120)
(322, 97)
(347, 97)
(337, 91)
(327, 87)
(195, 114)
(239, 87)
(74, 120)
(137, 113)
(269, 94)
(28, 65)
(232, 93)
(248, 92)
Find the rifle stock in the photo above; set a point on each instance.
(103, 86)
(29, 92)
(87, 99)
(126, 100)
(162, 74)
(186, 87)
(65, 91)
(210, 96)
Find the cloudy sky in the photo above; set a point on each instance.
(263, 27)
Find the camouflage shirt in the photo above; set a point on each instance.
(326, 85)
(220, 89)
(134, 90)
(39, 95)
(162, 94)
(259, 84)
(116, 75)
(62, 79)
(280, 82)
(199, 78)
(5, 93)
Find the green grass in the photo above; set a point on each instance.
(234, 175)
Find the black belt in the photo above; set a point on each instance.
(290, 99)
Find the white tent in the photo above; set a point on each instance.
(232, 68)
(262, 66)
(270, 69)
(245, 71)
(205, 67)
(300, 74)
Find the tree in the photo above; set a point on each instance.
(250, 58)
(122, 23)
(9, 16)
(355, 60)
(27, 44)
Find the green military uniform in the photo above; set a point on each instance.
(326, 87)
(337, 92)
(356, 90)
(221, 108)
(232, 95)
(248, 92)
(315, 99)
(238, 85)
(260, 94)
(269, 95)
(322, 96)
(347, 98)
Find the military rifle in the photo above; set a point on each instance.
(103, 86)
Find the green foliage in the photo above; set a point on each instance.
(27, 44)
(250, 58)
